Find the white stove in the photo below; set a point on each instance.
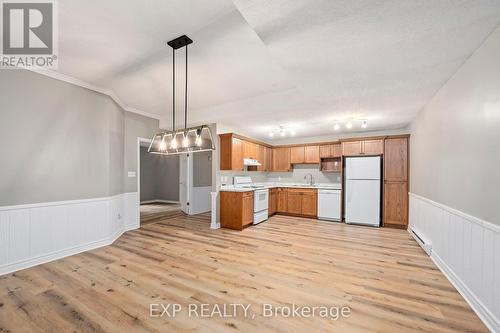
(260, 198)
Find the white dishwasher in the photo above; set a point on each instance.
(329, 203)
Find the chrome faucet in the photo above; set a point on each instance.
(311, 180)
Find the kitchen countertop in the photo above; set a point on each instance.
(328, 186)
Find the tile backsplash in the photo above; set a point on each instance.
(296, 176)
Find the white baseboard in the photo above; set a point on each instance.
(467, 250)
(34, 234)
(159, 201)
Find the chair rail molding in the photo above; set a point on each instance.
(467, 250)
(33, 234)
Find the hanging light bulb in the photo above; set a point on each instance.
(185, 141)
(163, 145)
(173, 144)
(364, 124)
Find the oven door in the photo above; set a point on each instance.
(260, 200)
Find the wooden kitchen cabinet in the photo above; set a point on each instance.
(352, 148)
(281, 159)
(302, 202)
(363, 147)
(373, 147)
(297, 155)
(236, 209)
(396, 182)
(396, 204)
(311, 154)
(231, 153)
(282, 200)
(330, 151)
(310, 203)
(294, 202)
(250, 150)
(396, 159)
(304, 155)
(261, 157)
(273, 201)
(269, 158)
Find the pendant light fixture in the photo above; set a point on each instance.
(186, 140)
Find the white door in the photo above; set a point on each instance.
(184, 182)
(362, 202)
(363, 167)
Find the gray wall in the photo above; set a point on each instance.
(136, 126)
(455, 142)
(159, 177)
(202, 169)
(63, 142)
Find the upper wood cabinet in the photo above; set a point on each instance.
(281, 159)
(231, 152)
(250, 150)
(396, 159)
(373, 147)
(311, 154)
(351, 148)
(269, 158)
(330, 151)
(304, 155)
(261, 157)
(363, 147)
(297, 155)
(233, 149)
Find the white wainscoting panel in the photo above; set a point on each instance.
(201, 201)
(38, 233)
(467, 250)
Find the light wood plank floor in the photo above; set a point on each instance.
(155, 212)
(387, 281)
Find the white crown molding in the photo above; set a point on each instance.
(80, 83)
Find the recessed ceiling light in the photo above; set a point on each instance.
(336, 127)
(348, 125)
(292, 132)
(364, 124)
(271, 134)
(282, 133)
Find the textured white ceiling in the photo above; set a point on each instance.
(258, 64)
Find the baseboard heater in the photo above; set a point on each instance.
(421, 240)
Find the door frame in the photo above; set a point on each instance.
(189, 181)
(138, 176)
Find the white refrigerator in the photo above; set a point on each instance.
(363, 190)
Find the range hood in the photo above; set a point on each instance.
(251, 162)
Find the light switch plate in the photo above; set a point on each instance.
(132, 174)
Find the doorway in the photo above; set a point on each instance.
(158, 184)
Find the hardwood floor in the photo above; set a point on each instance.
(382, 275)
(155, 212)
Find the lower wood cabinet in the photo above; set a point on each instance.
(396, 204)
(273, 201)
(282, 200)
(236, 209)
(294, 201)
